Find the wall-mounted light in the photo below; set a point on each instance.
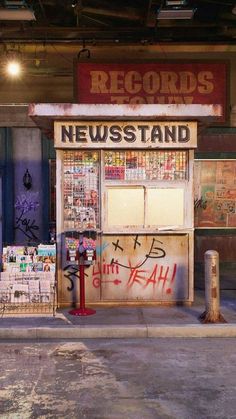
(27, 180)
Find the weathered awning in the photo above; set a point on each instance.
(44, 114)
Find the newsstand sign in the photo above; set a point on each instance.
(125, 134)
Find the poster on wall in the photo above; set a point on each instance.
(215, 193)
(149, 83)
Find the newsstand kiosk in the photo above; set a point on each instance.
(127, 173)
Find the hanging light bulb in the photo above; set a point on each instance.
(13, 68)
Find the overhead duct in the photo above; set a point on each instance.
(175, 9)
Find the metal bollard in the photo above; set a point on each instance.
(212, 289)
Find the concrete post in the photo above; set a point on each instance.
(212, 289)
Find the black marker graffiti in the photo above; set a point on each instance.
(200, 203)
(154, 253)
(157, 252)
(117, 246)
(136, 242)
(26, 226)
(72, 274)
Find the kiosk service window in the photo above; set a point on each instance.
(141, 189)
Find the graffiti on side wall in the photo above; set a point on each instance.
(158, 275)
(27, 203)
(140, 267)
(72, 274)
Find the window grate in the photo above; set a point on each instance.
(146, 165)
(81, 189)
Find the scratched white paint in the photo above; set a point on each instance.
(56, 110)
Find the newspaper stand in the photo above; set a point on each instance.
(86, 257)
(27, 280)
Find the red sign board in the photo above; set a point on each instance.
(146, 83)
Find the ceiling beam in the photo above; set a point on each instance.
(126, 13)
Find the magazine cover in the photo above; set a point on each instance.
(46, 250)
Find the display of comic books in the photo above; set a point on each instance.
(145, 165)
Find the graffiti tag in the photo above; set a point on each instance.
(27, 203)
(26, 226)
(155, 252)
(200, 203)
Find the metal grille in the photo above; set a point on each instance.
(81, 189)
(32, 307)
(146, 165)
(23, 293)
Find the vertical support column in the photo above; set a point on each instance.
(212, 289)
(7, 185)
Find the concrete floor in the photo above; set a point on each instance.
(119, 379)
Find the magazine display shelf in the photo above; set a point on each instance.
(27, 282)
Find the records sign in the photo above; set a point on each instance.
(150, 83)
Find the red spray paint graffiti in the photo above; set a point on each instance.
(105, 269)
(159, 274)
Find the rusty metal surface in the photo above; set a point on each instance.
(43, 114)
(60, 110)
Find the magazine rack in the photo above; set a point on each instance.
(27, 283)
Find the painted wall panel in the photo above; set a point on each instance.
(133, 268)
(153, 267)
(165, 206)
(27, 154)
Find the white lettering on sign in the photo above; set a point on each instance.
(138, 134)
